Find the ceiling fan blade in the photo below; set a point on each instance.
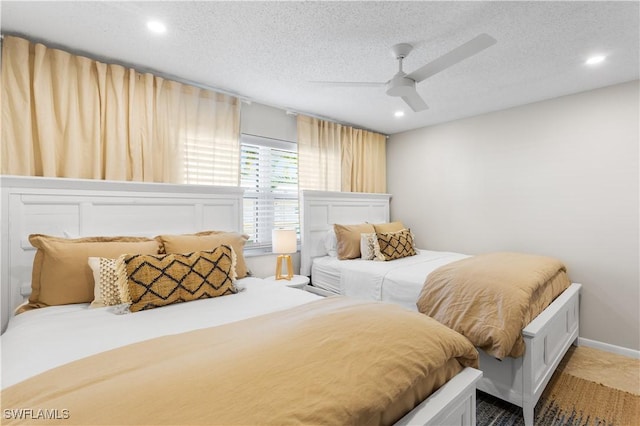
(415, 102)
(349, 83)
(458, 54)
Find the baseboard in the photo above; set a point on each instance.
(632, 353)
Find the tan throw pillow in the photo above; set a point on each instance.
(152, 281)
(61, 274)
(369, 247)
(389, 227)
(208, 240)
(348, 237)
(395, 245)
(105, 291)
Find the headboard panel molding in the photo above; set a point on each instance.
(322, 209)
(78, 207)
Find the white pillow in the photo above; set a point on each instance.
(369, 247)
(331, 243)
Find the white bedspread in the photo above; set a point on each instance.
(397, 281)
(42, 339)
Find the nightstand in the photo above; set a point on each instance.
(298, 281)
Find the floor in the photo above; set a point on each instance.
(612, 370)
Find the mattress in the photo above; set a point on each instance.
(397, 281)
(72, 332)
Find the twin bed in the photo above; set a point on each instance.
(264, 354)
(520, 378)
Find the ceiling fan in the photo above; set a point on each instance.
(404, 85)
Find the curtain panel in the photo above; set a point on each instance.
(319, 154)
(334, 157)
(364, 161)
(65, 115)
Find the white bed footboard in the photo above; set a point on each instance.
(521, 381)
(453, 404)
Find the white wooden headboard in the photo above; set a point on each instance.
(78, 208)
(321, 209)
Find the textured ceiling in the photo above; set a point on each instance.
(269, 52)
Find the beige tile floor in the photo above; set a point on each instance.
(612, 370)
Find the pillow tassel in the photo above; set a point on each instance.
(123, 287)
(234, 259)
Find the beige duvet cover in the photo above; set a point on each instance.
(334, 361)
(490, 298)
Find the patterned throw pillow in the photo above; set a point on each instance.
(369, 247)
(151, 281)
(395, 245)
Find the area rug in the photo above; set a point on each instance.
(567, 401)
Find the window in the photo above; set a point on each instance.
(269, 175)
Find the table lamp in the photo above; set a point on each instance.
(283, 242)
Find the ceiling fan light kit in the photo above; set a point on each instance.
(404, 85)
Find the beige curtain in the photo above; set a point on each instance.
(334, 157)
(364, 161)
(318, 154)
(68, 116)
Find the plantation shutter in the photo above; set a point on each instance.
(269, 175)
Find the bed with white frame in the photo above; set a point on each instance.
(76, 208)
(547, 338)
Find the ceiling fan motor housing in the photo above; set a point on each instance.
(400, 85)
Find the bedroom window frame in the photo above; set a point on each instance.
(269, 176)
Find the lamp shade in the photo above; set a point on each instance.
(283, 241)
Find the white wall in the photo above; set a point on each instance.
(269, 122)
(558, 177)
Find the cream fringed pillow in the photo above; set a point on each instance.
(369, 247)
(152, 281)
(396, 245)
(105, 291)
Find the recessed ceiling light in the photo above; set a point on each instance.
(156, 26)
(399, 113)
(595, 60)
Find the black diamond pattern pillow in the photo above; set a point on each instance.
(151, 281)
(395, 245)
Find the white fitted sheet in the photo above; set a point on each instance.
(325, 273)
(39, 340)
(396, 281)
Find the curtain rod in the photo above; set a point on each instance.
(143, 69)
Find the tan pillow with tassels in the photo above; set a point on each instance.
(396, 245)
(152, 281)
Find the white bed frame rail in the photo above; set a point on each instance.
(322, 209)
(452, 404)
(520, 381)
(80, 207)
(547, 338)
